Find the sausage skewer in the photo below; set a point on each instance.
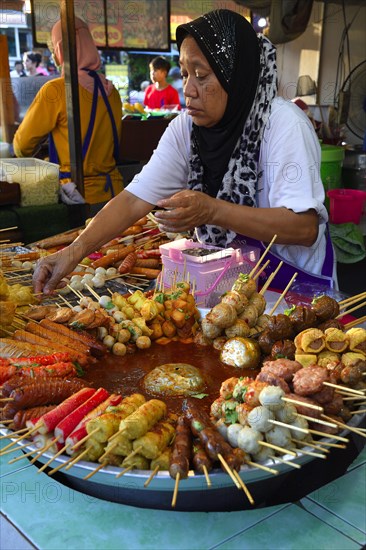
(201, 462)
(181, 454)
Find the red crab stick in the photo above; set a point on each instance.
(69, 423)
(80, 431)
(50, 420)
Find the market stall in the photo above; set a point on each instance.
(210, 367)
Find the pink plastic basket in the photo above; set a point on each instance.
(212, 277)
(346, 205)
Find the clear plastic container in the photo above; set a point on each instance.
(211, 274)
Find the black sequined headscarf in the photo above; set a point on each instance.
(223, 160)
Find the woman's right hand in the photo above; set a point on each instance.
(51, 269)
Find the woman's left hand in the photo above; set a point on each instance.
(185, 211)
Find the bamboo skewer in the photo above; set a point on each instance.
(318, 421)
(283, 294)
(360, 411)
(345, 389)
(333, 436)
(9, 228)
(276, 448)
(76, 459)
(92, 292)
(60, 466)
(205, 471)
(228, 470)
(128, 469)
(262, 467)
(77, 445)
(102, 465)
(270, 279)
(289, 426)
(76, 292)
(309, 405)
(175, 492)
(133, 453)
(310, 453)
(346, 427)
(352, 298)
(24, 436)
(355, 322)
(60, 452)
(23, 456)
(151, 476)
(257, 275)
(351, 310)
(263, 256)
(287, 462)
(312, 445)
(14, 449)
(44, 449)
(244, 487)
(11, 434)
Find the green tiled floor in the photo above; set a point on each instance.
(53, 516)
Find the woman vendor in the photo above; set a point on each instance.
(239, 164)
(100, 113)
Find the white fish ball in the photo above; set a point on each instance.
(258, 419)
(76, 285)
(111, 271)
(105, 301)
(98, 281)
(286, 414)
(27, 265)
(301, 423)
(76, 278)
(222, 428)
(100, 271)
(271, 397)
(87, 278)
(279, 436)
(263, 455)
(232, 434)
(248, 440)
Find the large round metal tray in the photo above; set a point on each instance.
(267, 489)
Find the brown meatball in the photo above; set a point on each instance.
(273, 380)
(302, 318)
(303, 409)
(280, 327)
(331, 323)
(266, 341)
(283, 348)
(284, 368)
(325, 308)
(309, 380)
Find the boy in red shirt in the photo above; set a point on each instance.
(160, 94)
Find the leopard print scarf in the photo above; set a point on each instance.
(239, 183)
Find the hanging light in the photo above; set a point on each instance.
(262, 22)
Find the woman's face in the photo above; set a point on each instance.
(29, 65)
(206, 99)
